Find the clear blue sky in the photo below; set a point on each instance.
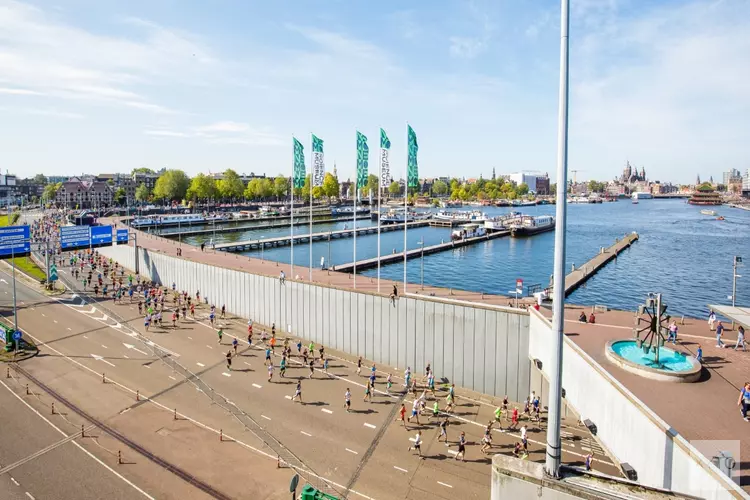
(104, 85)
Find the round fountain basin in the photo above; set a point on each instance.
(673, 366)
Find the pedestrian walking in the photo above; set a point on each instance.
(740, 338)
(744, 401)
(699, 354)
(672, 332)
(711, 320)
(719, 333)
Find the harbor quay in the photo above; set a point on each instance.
(472, 340)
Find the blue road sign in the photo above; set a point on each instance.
(101, 235)
(75, 236)
(14, 240)
(17, 335)
(122, 236)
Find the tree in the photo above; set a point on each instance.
(120, 195)
(394, 189)
(39, 179)
(142, 170)
(280, 186)
(439, 188)
(231, 186)
(202, 187)
(142, 193)
(522, 189)
(265, 188)
(553, 188)
(50, 191)
(253, 189)
(371, 186)
(331, 185)
(171, 185)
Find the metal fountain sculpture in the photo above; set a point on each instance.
(652, 322)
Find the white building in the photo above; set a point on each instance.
(528, 177)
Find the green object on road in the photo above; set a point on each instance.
(310, 493)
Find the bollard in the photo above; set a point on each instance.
(104, 378)
(137, 395)
(119, 457)
(175, 413)
(7, 373)
(221, 435)
(83, 432)
(28, 393)
(278, 462)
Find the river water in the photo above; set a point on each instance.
(682, 254)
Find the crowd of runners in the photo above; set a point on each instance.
(166, 307)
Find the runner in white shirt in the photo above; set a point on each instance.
(417, 444)
(347, 400)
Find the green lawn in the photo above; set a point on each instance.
(24, 264)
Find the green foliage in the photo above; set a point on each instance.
(50, 191)
(39, 179)
(522, 189)
(202, 187)
(231, 186)
(705, 187)
(259, 188)
(394, 189)
(280, 186)
(120, 196)
(142, 170)
(171, 185)
(597, 187)
(330, 185)
(371, 186)
(439, 188)
(142, 193)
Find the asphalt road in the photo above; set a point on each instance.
(365, 449)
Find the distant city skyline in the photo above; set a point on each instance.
(108, 87)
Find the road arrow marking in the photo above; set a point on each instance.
(129, 346)
(99, 358)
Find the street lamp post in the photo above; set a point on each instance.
(737, 262)
(329, 249)
(262, 247)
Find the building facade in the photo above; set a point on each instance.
(77, 193)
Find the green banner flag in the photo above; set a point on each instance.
(298, 180)
(318, 166)
(413, 169)
(363, 154)
(385, 142)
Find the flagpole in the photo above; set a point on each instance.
(356, 192)
(380, 180)
(406, 192)
(312, 166)
(291, 218)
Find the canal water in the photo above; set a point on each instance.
(682, 254)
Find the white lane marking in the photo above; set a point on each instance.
(265, 417)
(191, 338)
(125, 356)
(85, 337)
(104, 346)
(15, 482)
(69, 329)
(200, 364)
(248, 364)
(209, 346)
(130, 346)
(288, 397)
(54, 320)
(453, 452)
(306, 434)
(446, 485)
(369, 425)
(146, 366)
(75, 443)
(44, 315)
(29, 495)
(172, 377)
(399, 468)
(33, 309)
(326, 410)
(256, 386)
(99, 358)
(351, 451)
(226, 374)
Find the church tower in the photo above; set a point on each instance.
(335, 172)
(643, 173)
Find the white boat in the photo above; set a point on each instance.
(641, 196)
(466, 231)
(168, 220)
(529, 225)
(397, 216)
(501, 222)
(461, 216)
(709, 212)
(349, 210)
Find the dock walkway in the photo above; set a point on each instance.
(251, 224)
(577, 277)
(241, 246)
(417, 252)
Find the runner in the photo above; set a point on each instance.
(402, 415)
(388, 384)
(312, 367)
(367, 393)
(299, 347)
(414, 411)
(449, 401)
(304, 355)
(211, 317)
(435, 410)
(273, 344)
(147, 322)
(298, 392)
(229, 360)
(223, 311)
(322, 352)
(461, 447)
(325, 367)
(589, 461)
(174, 319)
(282, 367)
(431, 382)
(235, 343)
(417, 444)
(273, 329)
(407, 377)
(348, 400)
(514, 419)
(498, 414)
(359, 365)
(372, 379)
(220, 333)
(486, 441)
(270, 372)
(268, 356)
(443, 431)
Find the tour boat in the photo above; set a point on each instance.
(501, 222)
(397, 216)
(709, 212)
(529, 225)
(466, 231)
(168, 220)
(458, 216)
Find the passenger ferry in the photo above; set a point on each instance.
(468, 231)
(473, 216)
(168, 220)
(396, 216)
(641, 196)
(501, 222)
(708, 212)
(529, 225)
(349, 210)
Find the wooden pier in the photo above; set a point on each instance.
(417, 252)
(577, 276)
(242, 246)
(250, 224)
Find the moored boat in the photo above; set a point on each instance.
(529, 225)
(466, 231)
(708, 212)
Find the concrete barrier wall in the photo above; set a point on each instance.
(627, 427)
(481, 348)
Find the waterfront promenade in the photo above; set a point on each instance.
(254, 224)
